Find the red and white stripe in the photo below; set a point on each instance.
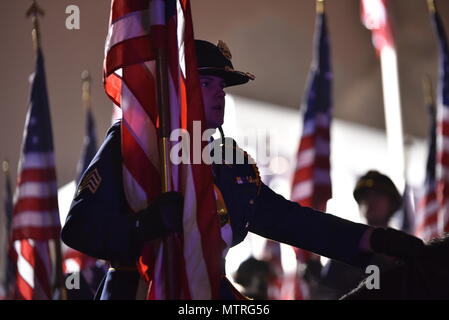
(35, 213)
(311, 182)
(131, 48)
(375, 17)
(35, 221)
(311, 186)
(427, 215)
(33, 270)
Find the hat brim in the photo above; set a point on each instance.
(231, 78)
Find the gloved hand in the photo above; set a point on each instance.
(396, 243)
(162, 217)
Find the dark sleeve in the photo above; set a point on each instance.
(98, 222)
(327, 235)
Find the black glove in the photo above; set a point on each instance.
(162, 217)
(396, 243)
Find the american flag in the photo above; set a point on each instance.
(35, 221)
(138, 29)
(442, 170)
(428, 206)
(312, 182)
(375, 17)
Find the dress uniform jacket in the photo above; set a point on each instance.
(99, 223)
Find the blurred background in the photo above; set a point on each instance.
(272, 40)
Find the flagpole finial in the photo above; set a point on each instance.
(431, 5)
(86, 96)
(34, 11)
(320, 6)
(5, 166)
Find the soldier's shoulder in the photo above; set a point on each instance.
(114, 129)
(112, 140)
(243, 159)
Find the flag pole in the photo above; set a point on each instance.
(86, 89)
(429, 98)
(9, 270)
(169, 242)
(393, 114)
(162, 101)
(33, 12)
(441, 167)
(319, 6)
(5, 168)
(431, 5)
(164, 113)
(375, 18)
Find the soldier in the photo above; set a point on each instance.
(378, 199)
(100, 224)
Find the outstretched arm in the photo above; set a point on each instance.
(325, 234)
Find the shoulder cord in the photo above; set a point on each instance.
(251, 161)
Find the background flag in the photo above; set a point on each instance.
(312, 185)
(442, 147)
(375, 18)
(428, 206)
(312, 181)
(35, 221)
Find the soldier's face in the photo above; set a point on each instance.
(214, 100)
(375, 207)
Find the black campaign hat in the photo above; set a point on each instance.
(215, 60)
(375, 180)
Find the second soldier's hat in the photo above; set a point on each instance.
(374, 180)
(216, 60)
